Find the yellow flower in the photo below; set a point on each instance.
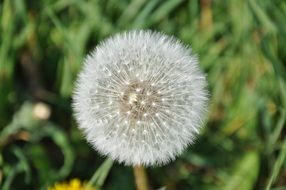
(74, 184)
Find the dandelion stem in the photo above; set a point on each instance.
(140, 178)
(206, 14)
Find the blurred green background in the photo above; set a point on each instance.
(241, 46)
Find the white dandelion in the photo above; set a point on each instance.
(140, 98)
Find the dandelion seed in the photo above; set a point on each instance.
(156, 121)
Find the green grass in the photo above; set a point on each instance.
(241, 46)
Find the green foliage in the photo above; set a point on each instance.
(241, 46)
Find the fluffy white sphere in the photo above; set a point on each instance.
(140, 98)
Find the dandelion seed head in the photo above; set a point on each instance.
(140, 98)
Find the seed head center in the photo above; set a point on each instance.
(139, 102)
(133, 97)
